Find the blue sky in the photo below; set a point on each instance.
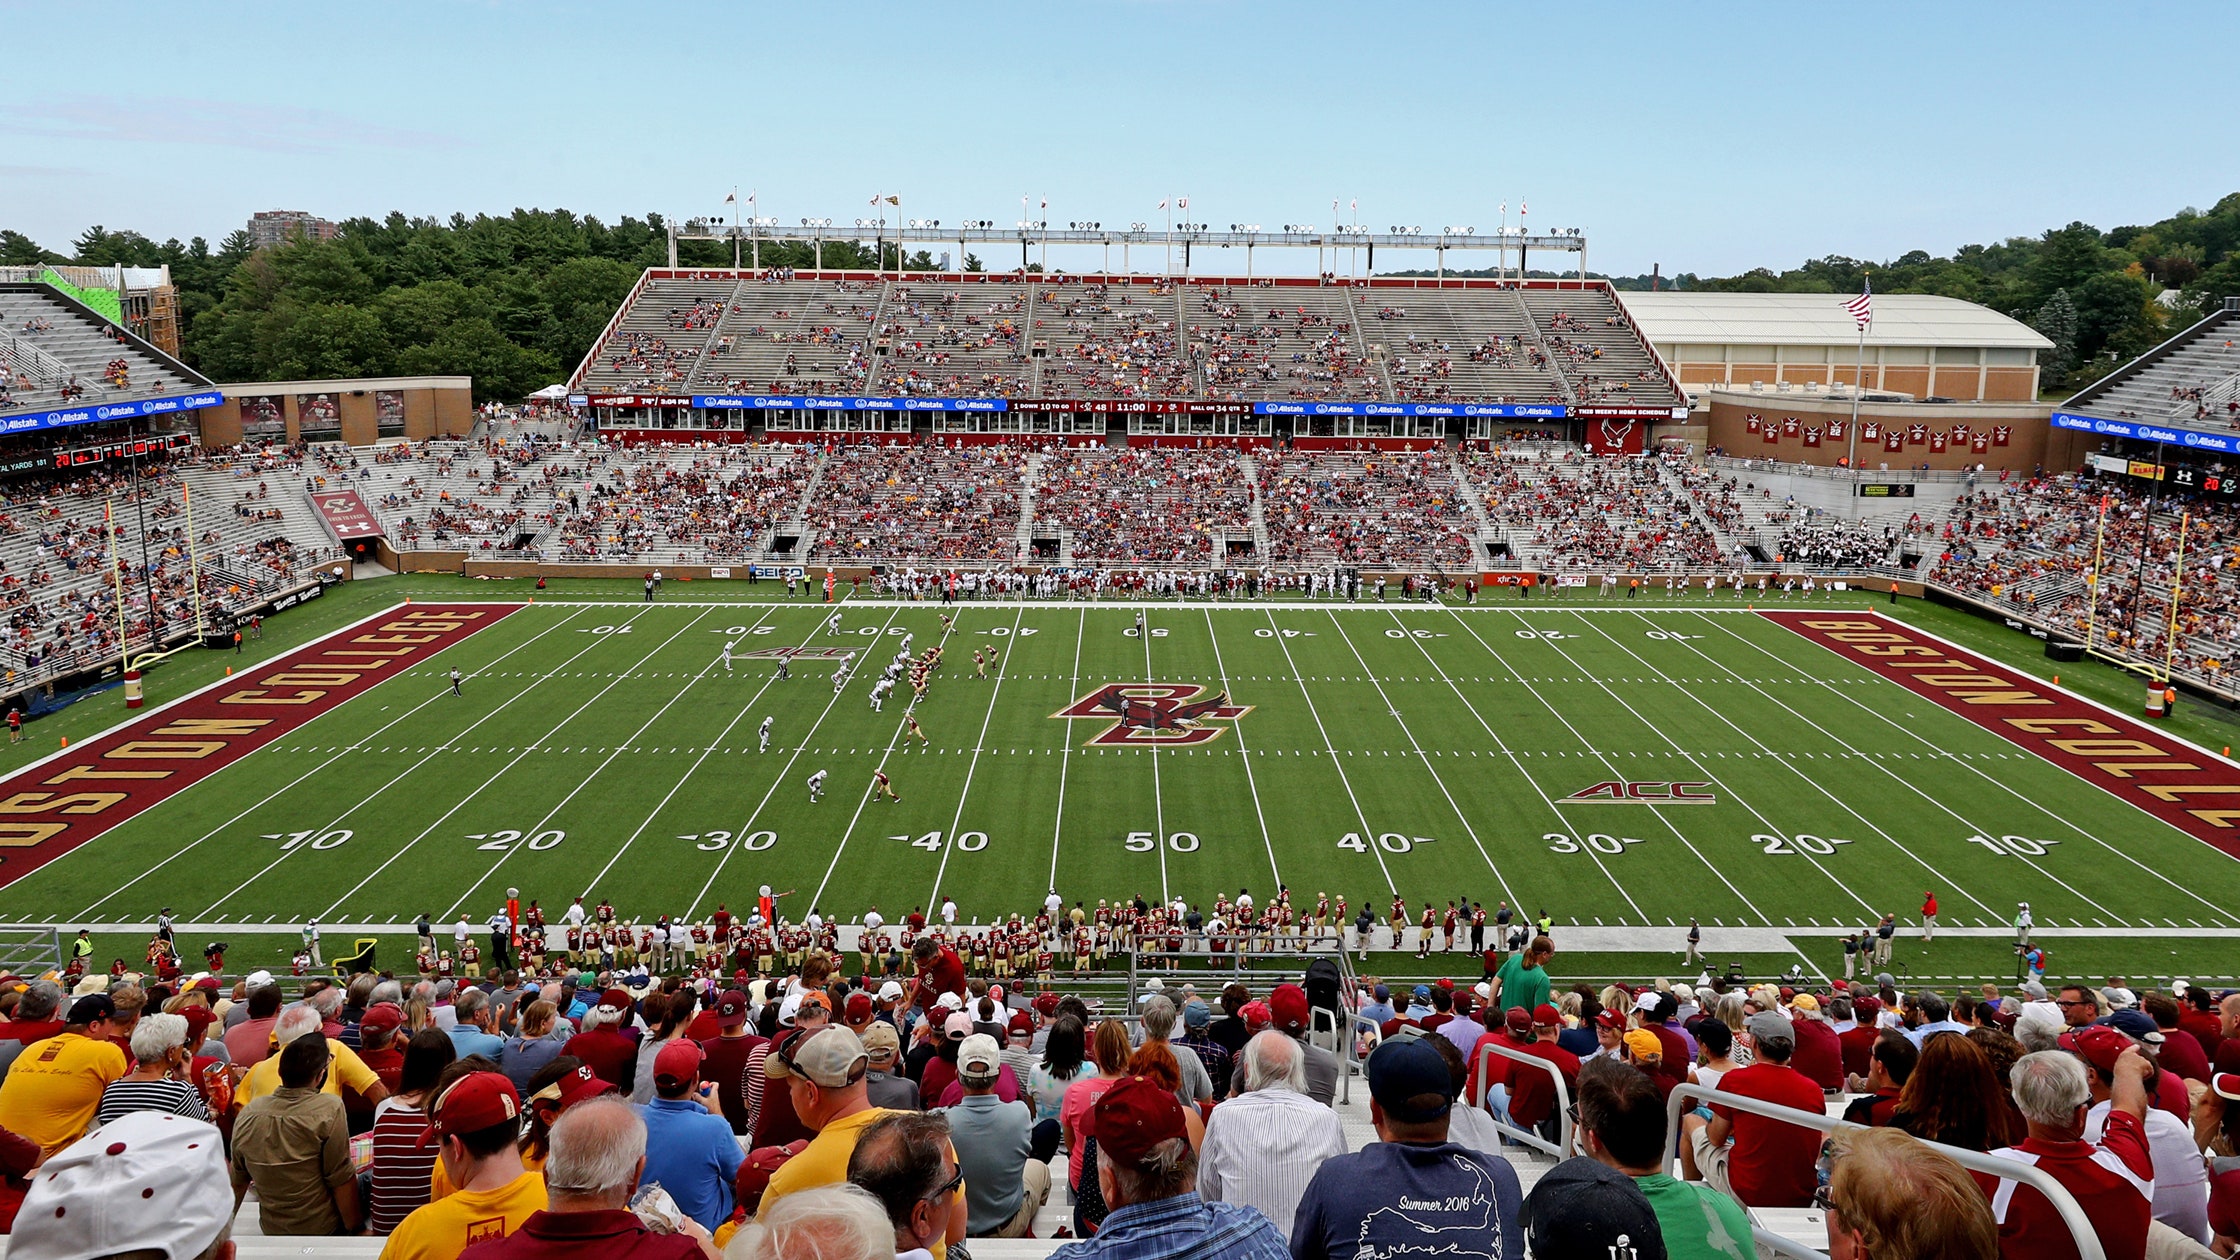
(1708, 138)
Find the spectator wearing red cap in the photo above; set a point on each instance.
(1412, 1190)
(379, 1046)
(1147, 1175)
(727, 1055)
(597, 1160)
(2180, 1189)
(1262, 1147)
(398, 1177)
(1857, 1042)
(475, 1126)
(2112, 1180)
(1532, 1093)
(1490, 1073)
(603, 1044)
(691, 1149)
(2224, 1181)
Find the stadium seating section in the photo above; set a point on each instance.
(55, 354)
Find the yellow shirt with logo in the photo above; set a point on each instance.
(344, 1067)
(54, 1088)
(444, 1228)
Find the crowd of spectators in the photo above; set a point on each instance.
(1572, 512)
(1304, 353)
(1110, 342)
(921, 501)
(1384, 509)
(941, 347)
(1144, 505)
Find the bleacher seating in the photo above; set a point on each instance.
(918, 504)
(2189, 381)
(1112, 341)
(1290, 344)
(947, 341)
(1598, 352)
(1148, 506)
(1463, 345)
(1381, 509)
(53, 354)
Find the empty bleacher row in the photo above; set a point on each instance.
(1122, 338)
(2194, 378)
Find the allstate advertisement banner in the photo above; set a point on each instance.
(1502, 411)
(812, 402)
(2196, 439)
(25, 422)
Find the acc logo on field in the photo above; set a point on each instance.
(1619, 792)
(1154, 714)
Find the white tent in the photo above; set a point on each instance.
(551, 393)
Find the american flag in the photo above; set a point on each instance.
(1862, 306)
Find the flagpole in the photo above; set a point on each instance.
(1858, 387)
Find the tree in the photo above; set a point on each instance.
(18, 250)
(330, 341)
(972, 263)
(474, 347)
(2057, 321)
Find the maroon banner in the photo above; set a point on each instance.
(346, 514)
(60, 803)
(2190, 788)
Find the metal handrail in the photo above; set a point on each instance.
(1561, 1147)
(2072, 1215)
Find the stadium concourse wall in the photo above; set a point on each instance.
(1942, 436)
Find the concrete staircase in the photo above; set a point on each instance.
(1251, 468)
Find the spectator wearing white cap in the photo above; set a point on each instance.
(148, 1184)
(1006, 1180)
(1263, 1146)
(823, 1075)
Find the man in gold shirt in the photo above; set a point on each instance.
(345, 1068)
(476, 1117)
(54, 1087)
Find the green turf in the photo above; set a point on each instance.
(602, 749)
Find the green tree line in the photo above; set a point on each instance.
(515, 301)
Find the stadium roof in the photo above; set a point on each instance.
(1817, 319)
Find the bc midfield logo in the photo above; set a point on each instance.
(1154, 714)
(1621, 792)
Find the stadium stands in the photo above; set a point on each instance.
(54, 353)
(921, 504)
(2191, 379)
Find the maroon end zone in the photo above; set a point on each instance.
(52, 807)
(2185, 786)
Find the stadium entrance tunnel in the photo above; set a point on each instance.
(1046, 550)
(783, 544)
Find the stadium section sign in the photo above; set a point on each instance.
(346, 514)
(52, 807)
(2190, 788)
(1154, 715)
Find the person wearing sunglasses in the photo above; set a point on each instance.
(904, 1157)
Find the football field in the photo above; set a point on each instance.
(1621, 767)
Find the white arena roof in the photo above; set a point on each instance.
(1816, 319)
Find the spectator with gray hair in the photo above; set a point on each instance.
(597, 1157)
(2112, 1180)
(347, 1069)
(905, 1158)
(831, 1222)
(1158, 1025)
(161, 1077)
(472, 1033)
(38, 1016)
(1263, 1146)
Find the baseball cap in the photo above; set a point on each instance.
(1287, 1008)
(91, 1007)
(1383, 992)
(1518, 1020)
(1867, 1006)
(1423, 991)
(382, 1017)
(576, 1086)
(1770, 1025)
(1582, 1207)
(1136, 1115)
(1046, 1004)
(1611, 1019)
(142, 1182)
(891, 991)
(813, 1000)
(880, 1041)
(678, 1063)
(1404, 1073)
(257, 979)
(731, 1008)
(1197, 1015)
(474, 1102)
(859, 1010)
(617, 998)
(1464, 1000)
(2137, 1025)
(2097, 1044)
(2227, 1085)
(948, 1002)
(1022, 1025)
(1643, 1043)
(979, 1059)
(957, 1027)
(831, 1058)
(1546, 1016)
(1255, 1015)
(1807, 1002)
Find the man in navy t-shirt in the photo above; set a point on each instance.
(1411, 1190)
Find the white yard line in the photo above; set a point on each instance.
(1252, 786)
(1065, 748)
(1360, 815)
(739, 837)
(445, 746)
(1424, 759)
(1994, 780)
(1158, 798)
(949, 843)
(344, 751)
(1612, 770)
(502, 771)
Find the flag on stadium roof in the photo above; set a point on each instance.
(1862, 306)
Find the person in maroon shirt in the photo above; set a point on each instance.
(377, 1042)
(610, 1052)
(1857, 1041)
(727, 1054)
(939, 971)
(1769, 1163)
(2113, 1182)
(588, 1215)
(1819, 1052)
(1532, 1093)
(2198, 1016)
(2179, 1053)
(1888, 1070)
